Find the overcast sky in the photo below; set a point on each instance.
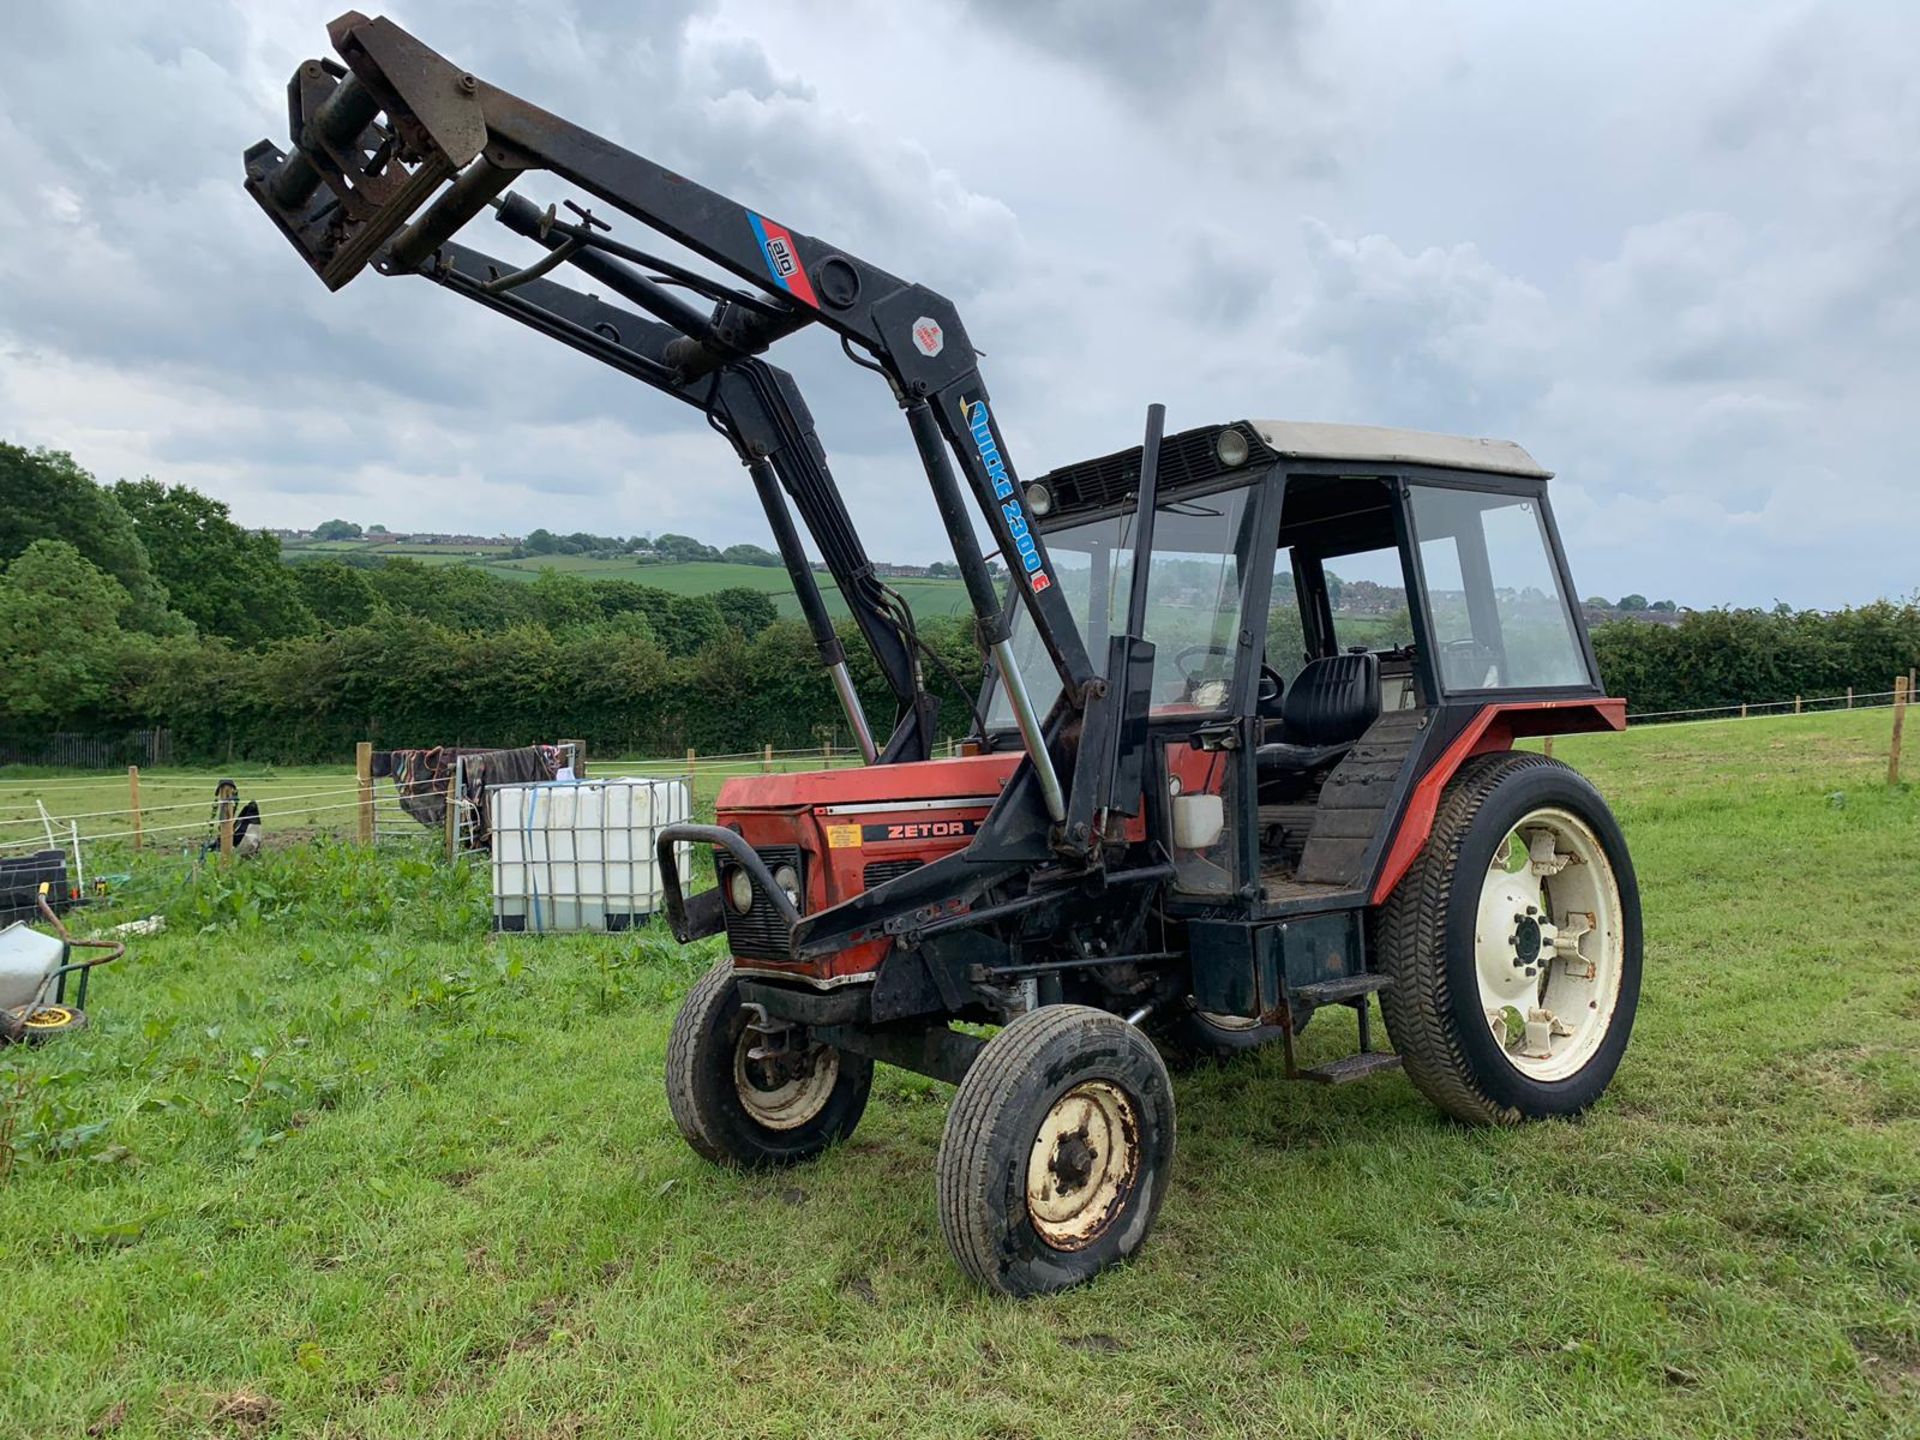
(1672, 249)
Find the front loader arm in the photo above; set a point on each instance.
(395, 153)
(758, 408)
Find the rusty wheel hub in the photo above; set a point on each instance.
(1084, 1164)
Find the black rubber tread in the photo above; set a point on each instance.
(989, 1132)
(707, 1108)
(1422, 1012)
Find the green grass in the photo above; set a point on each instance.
(332, 1162)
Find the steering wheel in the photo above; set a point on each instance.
(1271, 684)
(1181, 658)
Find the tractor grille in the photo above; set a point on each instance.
(881, 871)
(760, 934)
(1185, 459)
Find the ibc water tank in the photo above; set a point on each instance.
(579, 854)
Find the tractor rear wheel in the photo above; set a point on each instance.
(1057, 1151)
(751, 1094)
(1514, 945)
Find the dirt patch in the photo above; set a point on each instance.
(243, 1412)
(110, 1420)
(1891, 1362)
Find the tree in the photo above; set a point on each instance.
(378, 530)
(59, 633)
(682, 547)
(460, 597)
(1632, 602)
(337, 594)
(336, 530)
(1665, 607)
(693, 623)
(541, 542)
(1597, 602)
(44, 495)
(227, 580)
(749, 555)
(748, 611)
(562, 601)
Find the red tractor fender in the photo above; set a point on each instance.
(1493, 729)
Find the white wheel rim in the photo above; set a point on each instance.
(1548, 940)
(1085, 1160)
(784, 1092)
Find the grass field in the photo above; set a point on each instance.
(333, 1162)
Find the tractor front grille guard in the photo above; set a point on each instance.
(396, 149)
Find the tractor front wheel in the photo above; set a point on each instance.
(1057, 1151)
(1514, 945)
(750, 1093)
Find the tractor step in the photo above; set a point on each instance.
(1351, 1068)
(1342, 991)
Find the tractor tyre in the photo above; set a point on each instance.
(1057, 1151)
(1514, 945)
(749, 1111)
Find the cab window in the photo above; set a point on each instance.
(1498, 616)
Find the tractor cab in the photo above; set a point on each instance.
(1323, 599)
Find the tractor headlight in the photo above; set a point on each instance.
(1039, 498)
(740, 891)
(789, 881)
(1231, 448)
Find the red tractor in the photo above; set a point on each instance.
(1244, 751)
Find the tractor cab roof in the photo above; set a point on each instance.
(1204, 457)
(1384, 445)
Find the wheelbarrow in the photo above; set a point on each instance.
(34, 971)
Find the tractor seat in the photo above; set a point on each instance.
(1329, 706)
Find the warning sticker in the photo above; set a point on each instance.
(928, 338)
(843, 837)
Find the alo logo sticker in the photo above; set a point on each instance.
(928, 338)
(782, 257)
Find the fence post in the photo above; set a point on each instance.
(133, 804)
(1796, 704)
(690, 760)
(227, 808)
(453, 810)
(766, 758)
(1546, 746)
(1900, 691)
(1743, 709)
(1849, 697)
(363, 777)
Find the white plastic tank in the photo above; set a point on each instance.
(579, 854)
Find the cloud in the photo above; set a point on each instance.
(1675, 254)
